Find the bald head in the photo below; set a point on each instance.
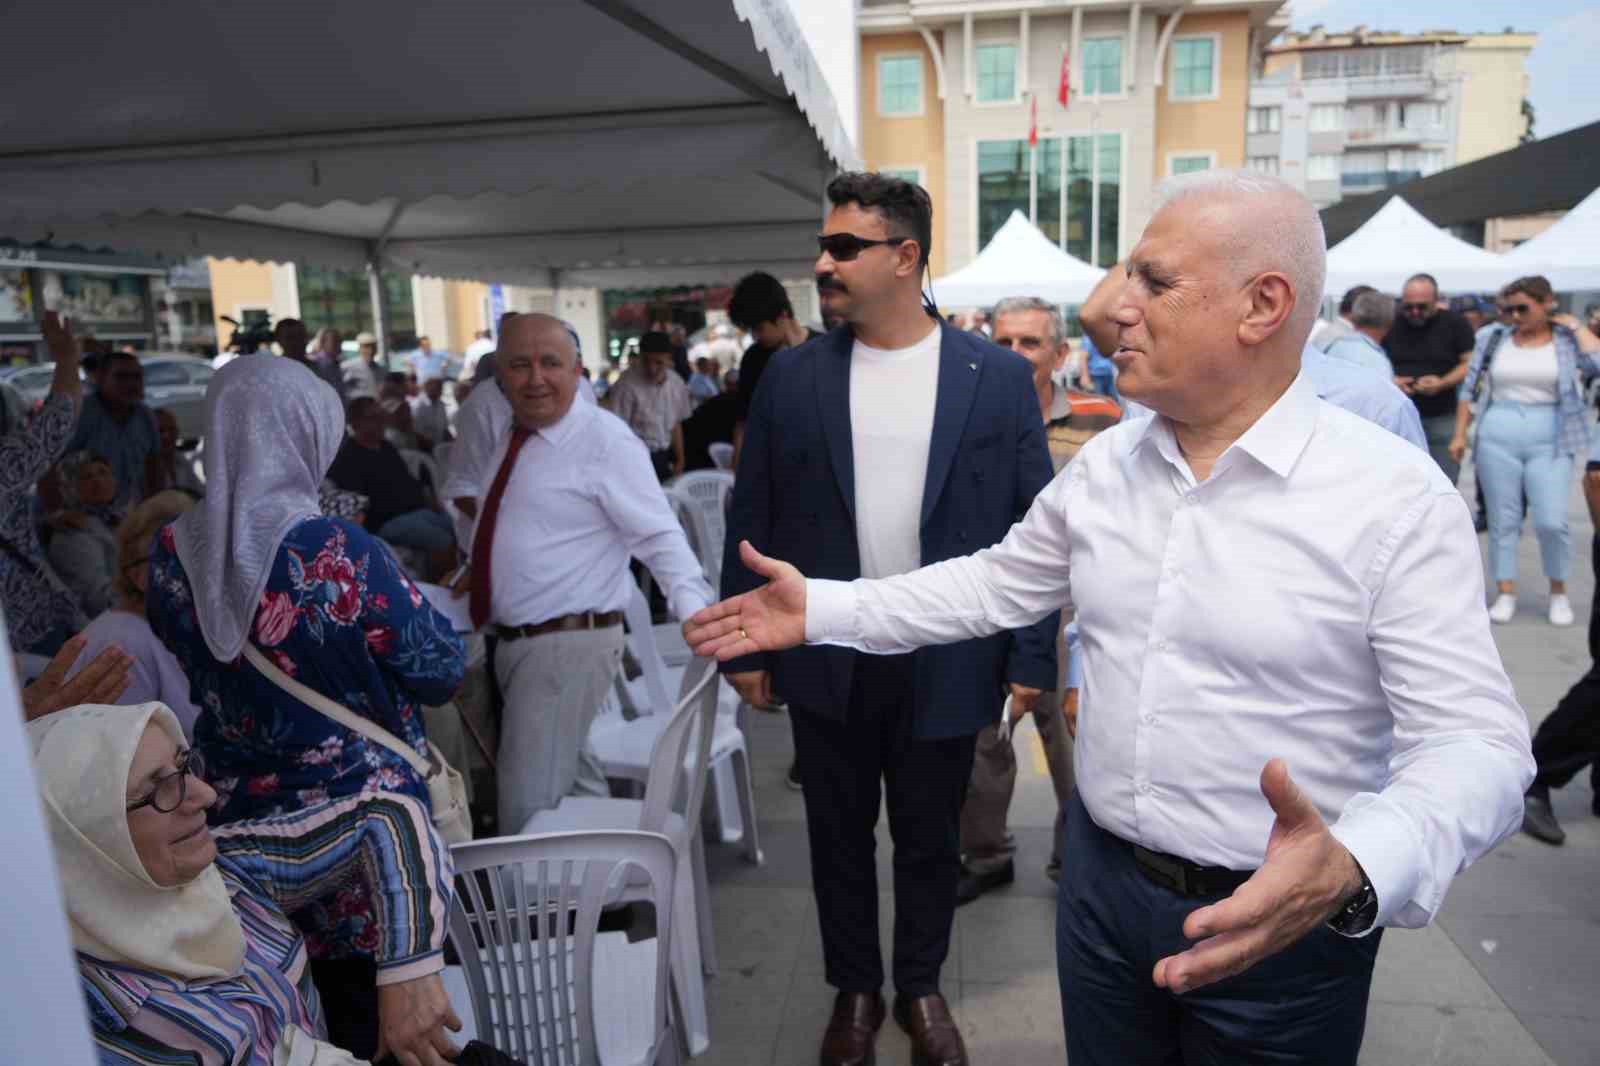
(537, 365)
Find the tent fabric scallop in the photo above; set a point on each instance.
(1018, 261)
(1398, 242)
(1568, 253)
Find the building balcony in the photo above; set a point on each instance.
(1375, 136)
(1366, 181)
(1389, 87)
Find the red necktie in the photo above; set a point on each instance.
(483, 540)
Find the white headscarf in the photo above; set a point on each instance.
(116, 911)
(275, 428)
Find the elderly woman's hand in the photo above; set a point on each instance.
(412, 1018)
(104, 680)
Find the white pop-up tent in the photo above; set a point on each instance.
(1398, 242)
(564, 142)
(1018, 261)
(1568, 253)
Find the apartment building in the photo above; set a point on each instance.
(1346, 114)
(949, 91)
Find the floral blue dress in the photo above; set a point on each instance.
(339, 615)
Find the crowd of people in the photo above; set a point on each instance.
(1227, 573)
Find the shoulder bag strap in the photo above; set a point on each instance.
(338, 712)
(1482, 379)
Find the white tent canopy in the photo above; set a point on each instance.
(1398, 242)
(1568, 253)
(1018, 261)
(561, 142)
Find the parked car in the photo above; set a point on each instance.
(32, 383)
(178, 383)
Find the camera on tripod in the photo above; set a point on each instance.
(250, 336)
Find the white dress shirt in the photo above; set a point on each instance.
(651, 409)
(582, 499)
(1318, 598)
(892, 394)
(429, 418)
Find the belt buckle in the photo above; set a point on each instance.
(1166, 869)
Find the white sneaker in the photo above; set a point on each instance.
(1505, 605)
(1560, 610)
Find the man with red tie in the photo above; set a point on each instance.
(574, 496)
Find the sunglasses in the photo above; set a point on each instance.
(843, 247)
(1416, 307)
(1517, 309)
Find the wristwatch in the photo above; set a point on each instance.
(1355, 916)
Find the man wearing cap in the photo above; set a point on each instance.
(654, 401)
(363, 378)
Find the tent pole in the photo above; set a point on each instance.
(380, 303)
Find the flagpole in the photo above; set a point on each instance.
(1033, 166)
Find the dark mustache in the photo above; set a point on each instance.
(827, 282)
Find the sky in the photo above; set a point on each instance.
(1569, 38)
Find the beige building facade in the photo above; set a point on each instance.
(950, 90)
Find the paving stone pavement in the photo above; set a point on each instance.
(1508, 975)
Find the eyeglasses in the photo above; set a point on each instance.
(1517, 309)
(1416, 307)
(173, 789)
(843, 247)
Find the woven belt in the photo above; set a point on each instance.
(567, 623)
(1185, 878)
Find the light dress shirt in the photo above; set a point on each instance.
(652, 411)
(1326, 331)
(475, 351)
(1358, 390)
(582, 499)
(1318, 598)
(1360, 349)
(430, 419)
(428, 364)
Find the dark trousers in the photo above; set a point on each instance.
(348, 989)
(841, 764)
(1569, 739)
(1307, 1004)
(662, 461)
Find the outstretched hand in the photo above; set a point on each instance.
(1307, 876)
(770, 618)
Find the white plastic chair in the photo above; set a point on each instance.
(721, 453)
(422, 467)
(701, 498)
(525, 924)
(671, 806)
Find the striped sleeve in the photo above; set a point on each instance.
(386, 839)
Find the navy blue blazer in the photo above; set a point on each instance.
(795, 500)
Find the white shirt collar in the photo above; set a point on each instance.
(567, 425)
(1275, 440)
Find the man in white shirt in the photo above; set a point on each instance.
(1261, 580)
(429, 419)
(1370, 318)
(481, 346)
(572, 498)
(654, 401)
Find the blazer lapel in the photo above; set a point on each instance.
(960, 367)
(833, 401)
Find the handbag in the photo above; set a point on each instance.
(447, 791)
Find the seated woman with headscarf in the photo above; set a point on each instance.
(183, 944)
(84, 550)
(329, 605)
(155, 675)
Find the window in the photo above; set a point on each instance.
(1322, 168)
(1364, 116)
(997, 73)
(162, 375)
(1263, 164)
(1417, 116)
(900, 85)
(911, 174)
(1327, 118)
(1314, 65)
(1188, 162)
(1194, 68)
(1264, 120)
(1403, 59)
(200, 374)
(1077, 191)
(1102, 66)
(1361, 62)
(343, 301)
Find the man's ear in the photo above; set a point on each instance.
(1271, 301)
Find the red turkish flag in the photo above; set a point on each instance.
(1033, 123)
(1065, 87)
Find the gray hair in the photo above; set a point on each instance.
(1373, 310)
(1281, 232)
(1014, 304)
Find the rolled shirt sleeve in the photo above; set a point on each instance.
(1461, 757)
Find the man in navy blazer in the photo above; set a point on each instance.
(890, 442)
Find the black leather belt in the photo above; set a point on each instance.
(565, 624)
(1186, 878)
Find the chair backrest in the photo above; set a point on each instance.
(422, 467)
(642, 641)
(721, 453)
(693, 719)
(702, 497)
(529, 963)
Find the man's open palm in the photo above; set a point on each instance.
(770, 618)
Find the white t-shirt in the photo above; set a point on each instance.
(1524, 375)
(891, 424)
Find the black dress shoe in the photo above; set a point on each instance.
(935, 1040)
(973, 885)
(792, 778)
(851, 1032)
(1539, 821)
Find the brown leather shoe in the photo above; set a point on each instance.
(848, 1040)
(935, 1040)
